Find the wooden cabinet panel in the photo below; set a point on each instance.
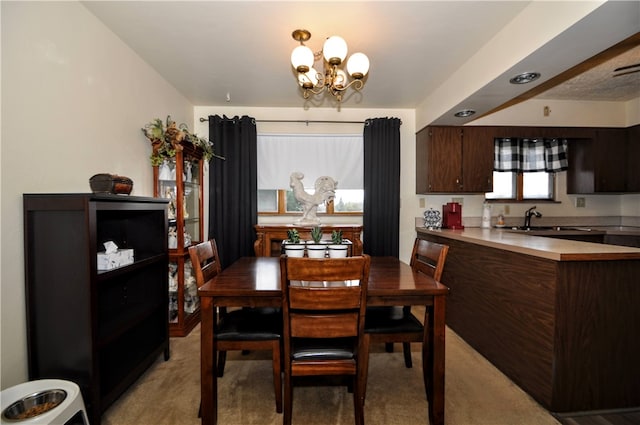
(633, 159)
(454, 160)
(477, 159)
(611, 160)
(599, 164)
(439, 159)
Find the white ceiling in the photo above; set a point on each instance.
(213, 49)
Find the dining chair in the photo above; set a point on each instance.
(324, 304)
(382, 326)
(240, 329)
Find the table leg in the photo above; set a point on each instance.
(436, 362)
(208, 381)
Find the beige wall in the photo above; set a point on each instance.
(74, 98)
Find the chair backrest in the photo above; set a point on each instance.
(324, 298)
(429, 257)
(205, 261)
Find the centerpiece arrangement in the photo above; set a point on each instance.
(167, 138)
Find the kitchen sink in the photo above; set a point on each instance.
(549, 228)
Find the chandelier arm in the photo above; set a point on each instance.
(357, 85)
(319, 90)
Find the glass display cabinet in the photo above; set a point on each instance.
(179, 179)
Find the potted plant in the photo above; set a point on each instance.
(292, 246)
(167, 138)
(316, 249)
(337, 248)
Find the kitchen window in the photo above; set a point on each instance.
(524, 168)
(521, 186)
(338, 156)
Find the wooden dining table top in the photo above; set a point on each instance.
(260, 276)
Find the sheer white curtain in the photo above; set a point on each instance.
(339, 156)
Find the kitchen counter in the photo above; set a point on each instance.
(559, 317)
(542, 246)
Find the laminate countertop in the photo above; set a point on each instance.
(540, 246)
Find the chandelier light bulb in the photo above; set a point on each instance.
(302, 58)
(358, 65)
(308, 79)
(340, 79)
(335, 50)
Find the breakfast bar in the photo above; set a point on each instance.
(561, 318)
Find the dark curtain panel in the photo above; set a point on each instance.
(233, 186)
(381, 219)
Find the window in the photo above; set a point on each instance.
(522, 186)
(338, 156)
(524, 169)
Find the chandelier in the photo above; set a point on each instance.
(332, 78)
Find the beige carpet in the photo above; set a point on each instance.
(476, 393)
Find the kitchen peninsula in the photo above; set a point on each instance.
(561, 318)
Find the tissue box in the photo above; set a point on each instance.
(113, 260)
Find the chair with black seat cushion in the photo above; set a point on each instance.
(324, 303)
(381, 325)
(241, 329)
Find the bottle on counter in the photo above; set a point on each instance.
(486, 215)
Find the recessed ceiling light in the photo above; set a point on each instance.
(464, 113)
(525, 77)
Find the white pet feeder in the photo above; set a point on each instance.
(43, 402)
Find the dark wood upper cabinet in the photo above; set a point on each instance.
(460, 159)
(477, 159)
(600, 164)
(454, 160)
(633, 159)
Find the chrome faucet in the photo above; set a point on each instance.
(527, 216)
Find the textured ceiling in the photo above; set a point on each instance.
(602, 82)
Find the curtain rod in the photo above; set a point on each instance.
(303, 121)
(366, 122)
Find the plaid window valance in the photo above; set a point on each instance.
(530, 155)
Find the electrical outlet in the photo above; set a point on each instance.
(421, 202)
(581, 202)
(458, 200)
(507, 210)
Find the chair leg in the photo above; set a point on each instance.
(277, 375)
(406, 349)
(363, 361)
(222, 359)
(358, 402)
(288, 399)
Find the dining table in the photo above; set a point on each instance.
(255, 282)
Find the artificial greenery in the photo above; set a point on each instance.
(336, 236)
(316, 234)
(167, 138)
(293, 235)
